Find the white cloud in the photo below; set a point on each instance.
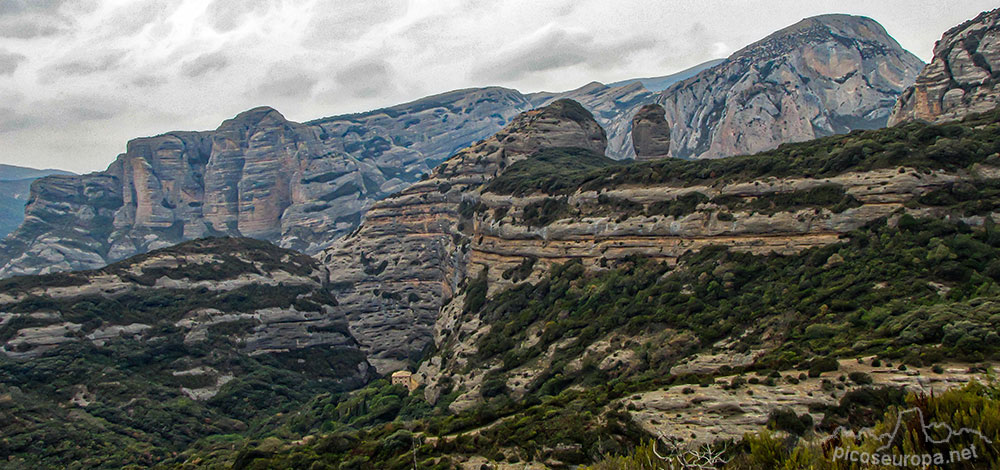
(90, 74)
(207, 63)
(366, 78)
(554, 47)
(9, 62)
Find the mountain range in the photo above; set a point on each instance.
(549, 300)
(302, 186)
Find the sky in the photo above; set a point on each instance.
(79, 78)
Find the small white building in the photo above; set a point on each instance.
(406, 379)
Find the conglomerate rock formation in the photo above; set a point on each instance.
(257, 175)
(963, 77)
(650, 133)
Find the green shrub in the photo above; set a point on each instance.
(860, 378)
(785, 419)
(819, 366)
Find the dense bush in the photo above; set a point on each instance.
(544, 212)
(551, 170)
(785, 419)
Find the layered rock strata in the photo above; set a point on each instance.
(238, 297)
(408, 257)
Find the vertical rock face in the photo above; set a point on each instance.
(15, 188)
(257, 175)
(73, 219)
(407, 258)
(650, 133)
(824, 75)
(961, 79)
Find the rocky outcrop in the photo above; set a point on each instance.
(824, 75)
(15, 184)
(961, 79)
(67, 226)
(719, 412)
(612, 107)
(236, 297)
(258, 175)
(596, 229)
(406, 260)
(650, 133)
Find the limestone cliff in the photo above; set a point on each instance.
(824, 75)
(961, 79)
(257, 175)
(304, 185)
(393, 274)
(15, 186)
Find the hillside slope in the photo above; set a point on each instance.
(126, 364)
(531, 221)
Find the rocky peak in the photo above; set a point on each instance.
(824, 75)
(564, 123)
(261, 115)
(961, 79)
(862, 33)
(612, 107)
(650, 133)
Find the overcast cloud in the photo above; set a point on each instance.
(78, 78)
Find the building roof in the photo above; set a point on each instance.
(402, 373)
